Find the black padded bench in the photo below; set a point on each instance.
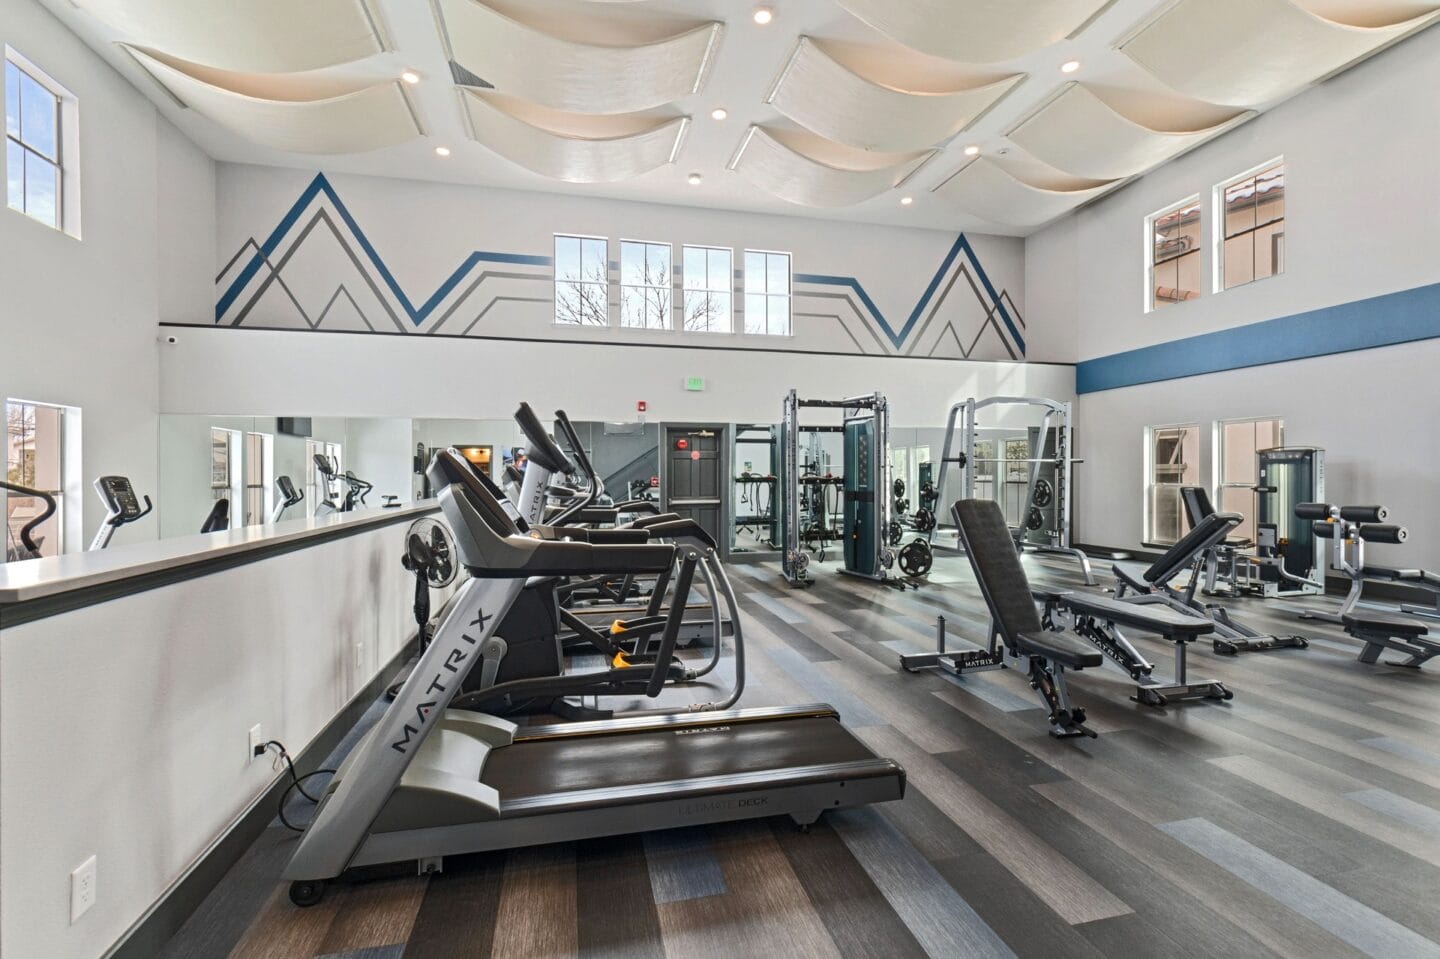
(1099, 618)
(1380, 631)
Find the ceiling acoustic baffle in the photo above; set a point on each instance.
(297, 113)
(985, 189)
(782, 169)
(827, 97)
(1250, 52)
(592, 150)
(977, 31)
(1080, 133)
(523, 61)
(247, 36)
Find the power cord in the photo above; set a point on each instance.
(296, 780)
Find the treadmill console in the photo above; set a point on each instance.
(119, 497)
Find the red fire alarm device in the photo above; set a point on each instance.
(682, 444)
(640, 407)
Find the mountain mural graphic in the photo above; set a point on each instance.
(318, 271)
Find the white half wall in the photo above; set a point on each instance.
(215, 370)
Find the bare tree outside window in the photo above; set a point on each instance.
(582, 281)
(645, 285)
(708, 289)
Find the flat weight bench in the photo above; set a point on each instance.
(1099, 618)
(1014, 620)
(1381, 631)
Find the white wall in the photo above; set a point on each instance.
(147, 765)
(380, 451)
(212, 370)
(1362, 204)
(78, 323)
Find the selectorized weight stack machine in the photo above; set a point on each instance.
(865, 487)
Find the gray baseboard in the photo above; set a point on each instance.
(148, 936)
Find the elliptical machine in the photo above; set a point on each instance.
(286, 495)
(29, 547)
(356, 489)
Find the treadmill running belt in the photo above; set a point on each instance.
(541, 767)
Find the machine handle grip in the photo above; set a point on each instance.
(1321, 511)
(1364, 514)
(1323, 529)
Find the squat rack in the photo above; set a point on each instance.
(794, 561)
(1056, 416)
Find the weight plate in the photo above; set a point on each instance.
(1036, 519)
(924, 521)
(1044, 493)
(916, 558)
(896, 532)
(898, 487)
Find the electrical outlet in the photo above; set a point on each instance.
(82, 888)
(257, 742)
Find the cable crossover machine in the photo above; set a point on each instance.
(1042, 522)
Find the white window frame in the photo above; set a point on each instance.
(646, 288)
(67, 147)
(1150, 221)
(686, 289)
(1217, 461)
(789, 293)
(1218, 237)
(558, 283)
(1147, 480)
(69, 517)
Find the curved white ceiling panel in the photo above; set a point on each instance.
(522, 61)
(976, 31)
(250, 36)
(596, 157)
(1079, 133)
(1248, 52)
(791, 175)
(297, 114)
(985, 189)
(825, 96)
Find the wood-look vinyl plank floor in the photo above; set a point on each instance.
(1164, 836)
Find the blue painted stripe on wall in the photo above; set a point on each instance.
(1385, 320)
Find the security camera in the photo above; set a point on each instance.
(169, 339)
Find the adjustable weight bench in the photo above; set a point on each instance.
(1380, 631)
(1156, 584)
(1046, 655)
(1099, 618)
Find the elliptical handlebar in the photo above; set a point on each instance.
(26, 531)
(595, 486)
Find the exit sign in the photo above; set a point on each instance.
(695, 384)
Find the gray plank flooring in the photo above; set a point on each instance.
(1300, 819)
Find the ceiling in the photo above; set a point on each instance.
(836, 108)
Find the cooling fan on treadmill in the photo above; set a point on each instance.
(431, 547)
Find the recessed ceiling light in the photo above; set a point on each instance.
(719, 113)
(764, 15)
(972, 150)
(906, 200)
(694, 179)
(410, 76)
(442, 151)
(1070, 66)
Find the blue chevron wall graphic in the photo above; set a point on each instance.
(258, 259)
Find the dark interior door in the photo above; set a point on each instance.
(694, 477)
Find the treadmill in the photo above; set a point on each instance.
(427, 782)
